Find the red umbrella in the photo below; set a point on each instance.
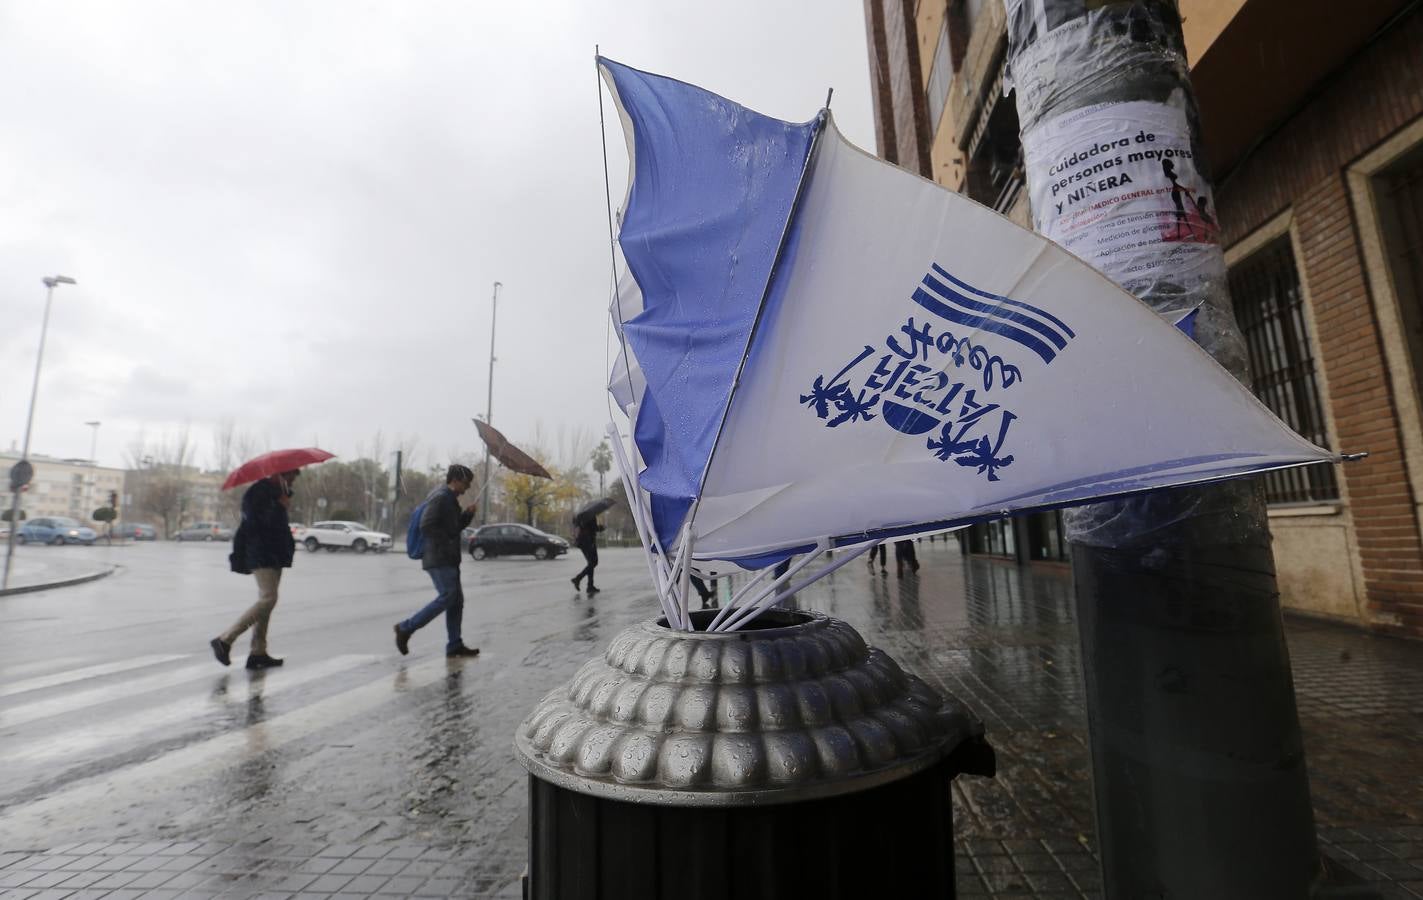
(269, 464)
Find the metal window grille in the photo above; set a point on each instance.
(1048, 541)
(1270, 309)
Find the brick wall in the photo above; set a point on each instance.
(901, 111)
(1303, 166)
(886, 145)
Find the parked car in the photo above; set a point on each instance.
(54, 530)
(135, 531)
(335, 535)
(513, 539)
(204, 531)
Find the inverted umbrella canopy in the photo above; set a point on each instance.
(269, 464)
(510, 456)
(596, 508)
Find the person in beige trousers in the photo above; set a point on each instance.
(263, 546)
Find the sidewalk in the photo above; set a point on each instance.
(32, 571)
(1004, 639)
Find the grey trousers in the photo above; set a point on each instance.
(259, 614)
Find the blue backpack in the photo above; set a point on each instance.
(414, 537)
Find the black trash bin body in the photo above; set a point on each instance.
(785, 761)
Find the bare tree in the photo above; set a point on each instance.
(161, 481)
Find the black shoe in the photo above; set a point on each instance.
(592, 590)
(462, 650)
(402, 641)
(263, 661)
(577, 583)
(222, 650)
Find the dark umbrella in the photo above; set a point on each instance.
(594, 509)
(512, 457)
(269, 464)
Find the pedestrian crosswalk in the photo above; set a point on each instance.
(195, 718)
(84, 673)
(126, 730)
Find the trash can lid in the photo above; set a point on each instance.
(796, 709)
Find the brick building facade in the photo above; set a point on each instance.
(1315, 135)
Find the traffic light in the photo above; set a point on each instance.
(113, 499)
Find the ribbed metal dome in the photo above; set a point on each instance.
(795, 709)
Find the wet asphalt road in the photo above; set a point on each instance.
(116, 721)
(131, 764)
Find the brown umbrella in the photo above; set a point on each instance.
(512, 457)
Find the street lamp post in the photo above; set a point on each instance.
(50, 282)
(489, 404)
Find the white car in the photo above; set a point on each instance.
(335, 535)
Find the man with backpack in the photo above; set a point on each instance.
(437, 545)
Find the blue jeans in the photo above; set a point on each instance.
(449, 599)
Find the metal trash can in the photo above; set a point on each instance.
(786, 760)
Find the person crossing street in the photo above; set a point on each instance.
(440, 526)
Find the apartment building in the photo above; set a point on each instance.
(65, 487)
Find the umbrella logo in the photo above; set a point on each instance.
(912, 379)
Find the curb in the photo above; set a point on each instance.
(66, 582)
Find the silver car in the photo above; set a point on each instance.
(204, 531)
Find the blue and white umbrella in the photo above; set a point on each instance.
(822, 350)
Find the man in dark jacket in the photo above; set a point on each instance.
(440, 526)
(587, 540)
(262, 546)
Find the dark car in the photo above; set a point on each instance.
(512, 539)
(135, 531)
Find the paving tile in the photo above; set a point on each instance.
(328, 884)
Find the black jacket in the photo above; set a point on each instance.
(441, 524)
(264, 539)
(586, 538)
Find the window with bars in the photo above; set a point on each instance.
(1269, 306)
(993, 538)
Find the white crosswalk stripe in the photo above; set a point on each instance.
(130, 784)
(77, 700)
(73, 675)
(130, 729)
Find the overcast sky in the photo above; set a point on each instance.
(291, 214)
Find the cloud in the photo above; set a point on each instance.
(292, 214)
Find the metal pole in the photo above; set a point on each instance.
(489, 405)
(49, 284)
(1197, 755)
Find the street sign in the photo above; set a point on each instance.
(20, 474)
(320, 502)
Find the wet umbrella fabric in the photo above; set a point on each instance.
(596, 508)
(510, 456)
(269, 464)
(993, 372)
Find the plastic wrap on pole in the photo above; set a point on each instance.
(1116, 175)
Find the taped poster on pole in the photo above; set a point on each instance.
(1117, 185)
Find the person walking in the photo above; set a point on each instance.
(905, 555)
(587, 540)
(440, 526)
(262, 547)
(877, 550)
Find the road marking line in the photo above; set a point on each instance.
(45, 681)
(155, 777)
(116, 731)
(54, 706)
